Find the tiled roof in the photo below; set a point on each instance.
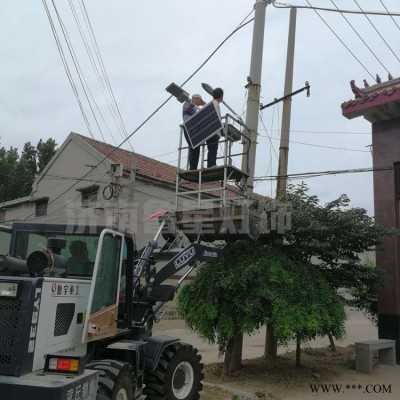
(376, 102)
(148, 167)
(145, 166)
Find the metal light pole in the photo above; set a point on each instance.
(254, 86)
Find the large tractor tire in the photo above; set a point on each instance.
(178, 375)
(116, 380)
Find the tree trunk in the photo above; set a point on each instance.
(271, 344)
(228, 357)
(332, 342)
(236, 358)
(233, 356)
(298, 351)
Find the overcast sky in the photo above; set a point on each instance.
(145, 45)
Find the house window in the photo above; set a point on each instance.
(89, 195)
(41, 207)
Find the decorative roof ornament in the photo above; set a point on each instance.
(390, 77)
(356, 90)
(378, 79)
(365, 83)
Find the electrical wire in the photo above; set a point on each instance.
(78, 69)
(285, 5)
(95, 68)
(66, 68)
(365, 43)
(332, 132)
(269, 137)
(305, 175)
(341, 41)
(114, 103)
(377, 31)
(391, 15)
(322, 146)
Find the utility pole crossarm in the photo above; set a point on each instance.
(306, 87)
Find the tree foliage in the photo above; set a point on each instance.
(18, 172)
(334, 237)
(253, 285)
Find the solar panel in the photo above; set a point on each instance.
(203, 125)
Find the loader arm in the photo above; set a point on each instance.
(190, 255)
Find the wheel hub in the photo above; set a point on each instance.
(183, 380)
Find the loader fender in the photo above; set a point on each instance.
(155, 345)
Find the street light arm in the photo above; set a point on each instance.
(209, 90)
(306, 87)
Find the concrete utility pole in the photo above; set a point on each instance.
(287, 107)
(254, 86)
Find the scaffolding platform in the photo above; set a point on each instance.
(230, 223)
(214, 174)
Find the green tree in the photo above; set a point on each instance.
(18, 172)
(253, 285)
(26, 169)
(333, 236)
(45, 152)
(8, 160)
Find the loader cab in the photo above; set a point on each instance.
(101, 254)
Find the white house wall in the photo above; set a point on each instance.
(62, 179)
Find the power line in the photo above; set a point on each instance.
(66, 68)
(269, 137)
(369, 20)
(322, 146)
(89, 52)
(285, 5)
(341, 41)
(103, 68)
(391, 15)
(365, 43)
(78, 69)
(305, 175)
(331, 132)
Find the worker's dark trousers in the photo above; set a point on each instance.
(212, 145)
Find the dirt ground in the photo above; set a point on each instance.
(279, 379)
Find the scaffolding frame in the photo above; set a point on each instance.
(216, 196)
